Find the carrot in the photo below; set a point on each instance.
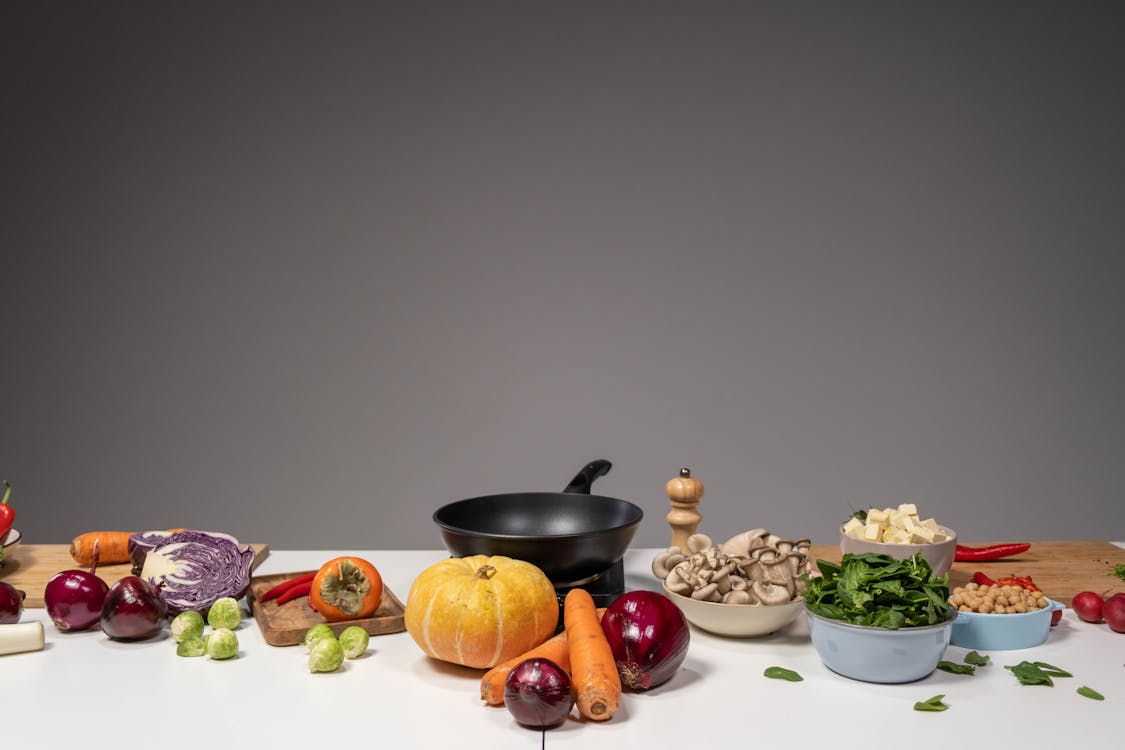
(114, 547)
(556, 649)
(597, 685)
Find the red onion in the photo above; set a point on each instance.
(538, 693)
(133, 610)
(74, 599)
(11, 603)
(649, 637)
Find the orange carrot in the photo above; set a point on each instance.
(113, 547)
(492, 684)
(597, 685)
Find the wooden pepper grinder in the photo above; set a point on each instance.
(684, 493)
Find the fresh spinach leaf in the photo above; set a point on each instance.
(1030, 673)
(781, 673)
(933, 704)
(955, 668)
(1090, 693)
(877, 590)
(976, 659)
(1053, 671)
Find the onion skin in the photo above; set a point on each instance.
(538, 693)
(11, 603)
(74, 599)
(648, 636)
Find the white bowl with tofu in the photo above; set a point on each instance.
(901, 533)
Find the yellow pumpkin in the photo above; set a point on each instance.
(479, 611)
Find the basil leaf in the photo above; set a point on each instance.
(976, 659)
(1090, 693)
(1029, 673)
(1053, 671)
(780, 673)
(933, 704)
(954, 668)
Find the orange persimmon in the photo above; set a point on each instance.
(346, 588)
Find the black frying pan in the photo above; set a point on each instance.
(570, 535)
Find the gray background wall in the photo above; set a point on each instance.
(304, 273)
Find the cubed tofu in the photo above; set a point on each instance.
(921, 535)
(930, 524)
(872, 532)
(854, 528)
(909, 509)
(878, 517)
(939, 536)
(898, 519)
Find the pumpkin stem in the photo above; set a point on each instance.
(485, 572)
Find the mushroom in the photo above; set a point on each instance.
(740, 546)
(738, 596)
(769, 593)
(663, 563)
(698, 543)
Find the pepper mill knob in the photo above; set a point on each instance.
(684, 493)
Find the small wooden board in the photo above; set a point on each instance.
(29, 567)
(287, 624)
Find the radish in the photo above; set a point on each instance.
(1088, 606)
(1114, 613)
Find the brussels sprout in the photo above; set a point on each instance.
(192, 646)
(326, 655)
(225, 613)
(315, 633)
(187, 625)
(354, 641)
(222, 643)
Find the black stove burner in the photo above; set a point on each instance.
(603, 588)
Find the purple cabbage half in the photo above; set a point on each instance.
(143, 542)
(194, 569)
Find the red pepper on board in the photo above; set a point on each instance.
(7, 512)
(994, 552)
(284, 586)
(982, 580)
(1024, 582)
(301, 589)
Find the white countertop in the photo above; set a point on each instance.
(84, 688)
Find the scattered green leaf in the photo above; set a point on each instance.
(955, 668)
(1036, 673)
(781, 673)
(1090, 693)
(977, 660)
(1118, 570)
(933, 704)
(877, 590)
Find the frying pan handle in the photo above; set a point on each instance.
(585, 478)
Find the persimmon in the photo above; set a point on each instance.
(346, 588)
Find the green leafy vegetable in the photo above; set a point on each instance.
(781, 673)
(933, 704)
(955, 668)
(1036, 673)
(976, 659)
(877, 590)
(1118, 570)
(1090, 693)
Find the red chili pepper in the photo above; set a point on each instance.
(984, 554)
(1024, 582)
(301, 589)
(7, 512)
(982, 580)
(284, 586)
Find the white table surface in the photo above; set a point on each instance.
(86, 689)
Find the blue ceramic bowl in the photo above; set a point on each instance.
(879, 654)
(1008, 632)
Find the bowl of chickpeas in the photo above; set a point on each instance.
(1000, 618)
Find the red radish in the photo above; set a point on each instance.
(1114, 613)
(1088, 606)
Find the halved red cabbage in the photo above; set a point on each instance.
(193, 569)
(143, 542)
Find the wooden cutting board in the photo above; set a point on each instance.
(286, 624)
(1061, 569)
(28, 567)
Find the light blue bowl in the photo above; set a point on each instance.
(1008, 632)
(879, 654)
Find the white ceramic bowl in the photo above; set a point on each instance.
(879, 654)
(939, 555)
(10, 540)
(1007, 632)
(737, 620)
